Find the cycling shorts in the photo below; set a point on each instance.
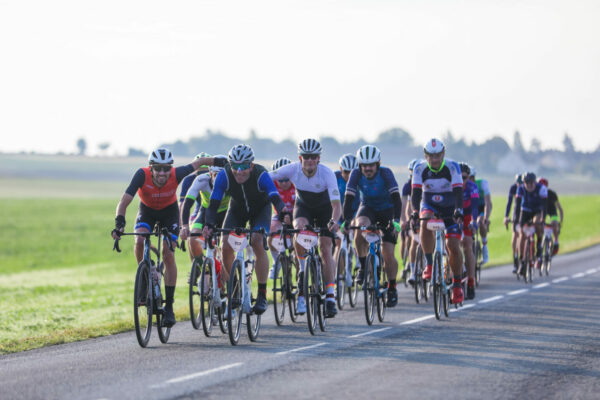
(466, 222)
(318, 217)
(199, 222)
(236, 217)
(553, 217)
(168, 217)
(445, 213)
(383, 217)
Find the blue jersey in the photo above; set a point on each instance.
(407, 188)
(532, 201)
(375, 192)
(470, 198)
(342, 187)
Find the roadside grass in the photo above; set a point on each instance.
(61, 282)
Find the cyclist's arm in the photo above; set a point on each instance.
(488, 207)
(123, 204)
(219, 188)
(560, 210)
(417, 188)
(199, 162)
(475, 205)
(266, 184)
(509, 204)
(394, 192)
(351, 188)
(336, 205)
(136, 182)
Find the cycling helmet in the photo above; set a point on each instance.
(281, 162)
(309, 146)
(413, 164)
(518, 179)
(543, 181)
(202, 155)
(473, 171)
(368, 154)
(160, 156)
(529, 177)
(465, 168)
(434, 146)
(241, 153)
(348, 162)
(214, 168)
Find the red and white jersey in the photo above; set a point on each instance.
(288, 196)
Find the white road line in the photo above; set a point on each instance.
(490, 299)
(516, 292)
(370, 332)
(541, 285)
(579, 275)
(562, 279)
(300, 349)
(467, 306)
(203, 373)
(591, 271)
(414, 321)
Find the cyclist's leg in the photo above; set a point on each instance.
(144, 222)
(275, 226)
(300, 221)
(539, 232)
(232, 220)
(169, 217)
(360, 244)
(467, 245)
(194, 242)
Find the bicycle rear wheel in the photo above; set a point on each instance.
(207, 306)
(353, 266)
(292, 288)
(530, 260)
(382, 297)
(163, 331)
(478, 256)
(341, 278)
(548, 250)
(280, 288)
(194, 293)
(234, 301)
(252, 319)
(311, 294)
(369, 289)
(321, 297)
(142, 304)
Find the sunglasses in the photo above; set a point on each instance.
(240, 167)
(368, 165)
(283, 180)
(310, 156)
(163, 168)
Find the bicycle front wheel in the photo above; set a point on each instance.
(207, 306)
(234, 301)
(311, 293)
(280, 288)
(477, 263)
(353, 266)
(194, 293)
(369, 289)
(142, 304)
(438, 286)
(341, 278)
(382, 295)
(292, 288)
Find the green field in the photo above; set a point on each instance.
(60, 280)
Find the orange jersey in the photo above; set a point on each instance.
(155, 197)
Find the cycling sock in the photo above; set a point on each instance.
(169, 294)
(363, 261)
(484, 241)
(331, 289)
(471, 282)
(302, 260)
(429, 258)
(392, 284)
(456, 282)
(274, 255)
(262, 289)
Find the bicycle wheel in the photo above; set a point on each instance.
(321, 297)
(292, 287)
(207, 301)
(405, 255)
(446, 287)
(549, 249)
(369, 289)
(531, 260)
(234, 301)
(418, 285)
(163, 331)
(194, 293)
(252, 319)
(280, 288)
(478, 256)
(353, 266)
(382, 296)
(142, 304)
(311, 294)
(341, 278)
(437, 286)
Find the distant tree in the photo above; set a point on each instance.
(568, 144)
(535, 146)
(136, 152)
(448, 139)
(396, 137)
(517, 143)
(81, 145)
(103, 147)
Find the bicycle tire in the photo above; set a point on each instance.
(142, 304)
(418, 285)
(404, 261)
(234, 302)
(194, 294)
(437, 286)
(311, 294)
(341, 278)
(478, 256)
(207, 307)
(280, 289)
(252, 319)
(382, 298)
(163, 331)
(354, 267)
(369, 289)
(321, 298)
(445, 293)
(292, 287)
(548, 257)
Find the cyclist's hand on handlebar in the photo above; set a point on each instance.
(185, 232)
(207, 231)
(333, 226)
(458, 214)
(116, 233)
(119, 227)
(506, 221)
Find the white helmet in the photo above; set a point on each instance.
(434, 146)
(473, 171)
(413, 164)
(281, 162)
(368, 154)
(241, 153)
(348, 162)
(309, 146)
(160, 156)
(201, 155)
(214, 168)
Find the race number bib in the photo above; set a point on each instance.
(371, 236)
(237, 242)
(436, 225)
(307, 239)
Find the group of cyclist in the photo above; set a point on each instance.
(233, 191)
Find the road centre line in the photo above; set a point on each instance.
(561, 279)
(414, 321)
(516, 292)
(370, 332)
(579, 275)
(541, 285)
(300, 349)
(203, 373)
(591, 271)
(490, 299)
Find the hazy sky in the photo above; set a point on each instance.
(141, 73)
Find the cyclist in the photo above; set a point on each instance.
(531, 201)
(485, 211)
(405, 223)
(437, 188)
(380, 203)
(287, 191)
(199, 192)
(157, 186)
(347, 163)
(251, 191)
(551, 211)
(515, 230)
(317, 204)
(471, 211)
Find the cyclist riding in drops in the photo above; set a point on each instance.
(471, 211)
(407, 242)
(199, 192)
(437, 189)
(551, 211)
(157, 186)
(347, 163)
(252, 192)
(485, 212)
(380, 203)
(317, 204)
(287, 192)
(512, 193)
(531, 202)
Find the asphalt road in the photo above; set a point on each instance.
(515, 340)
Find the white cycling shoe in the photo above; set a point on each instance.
(301, 306)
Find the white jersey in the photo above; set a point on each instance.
(200, 184)
(319, 189)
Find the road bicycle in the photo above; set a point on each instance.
(347, 269)
(477, 252)
(440, 274)
(405, 255)
(147, 293)
(285, 288)
(420, 286)
(547, 249)
(375, 283)
(528, 261)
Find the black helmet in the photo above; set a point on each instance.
(529, 177)
(518, 179)
(464, 167)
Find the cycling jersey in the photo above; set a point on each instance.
(202, 188)
(288, 196)
(511, 194)
(552, 200)
(185, 186)
(342, 187)
(440, 189)
(534, 201)
(484, 190)
(407, 188)
(376, 192)
(315, 191)
(152, 196)
(470, 199)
